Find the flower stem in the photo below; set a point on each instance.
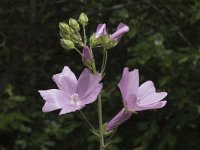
(101, 137)
(78, 51)
(104, 62)
(84, 35)
(110, 138)
(84, 117)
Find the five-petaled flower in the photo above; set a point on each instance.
(72, 94)
(136, 98)
(116, 36)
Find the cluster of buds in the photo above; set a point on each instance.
(69, 32)
(71, 37)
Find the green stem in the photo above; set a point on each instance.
(110, 138)
(84, 35)
(84, 117)
(105, 57)
(101, 137)
(78, 51)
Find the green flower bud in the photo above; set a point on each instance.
(74, 24)
(83, 19)
(67, 44)
(64, 27)
(107, 42)
(94, 41)
(64, 35)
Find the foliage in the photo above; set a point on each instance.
(163, 43)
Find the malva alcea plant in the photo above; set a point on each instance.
(74, 94)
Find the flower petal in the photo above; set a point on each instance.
(131, 102)
(92, 96)
(145, 89)
(152, 98)
(121, 30)
(129, 84)
(121, 117)
(101, 30)
(88, 85)
(156, 105)
(55, 99)
(83, 82)
(69, 108)
(66, 81)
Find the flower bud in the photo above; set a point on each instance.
(64, 27)
(67, 44)
(107, 42)
(74, 24)
(94, 41)
(64, 35)
(83, 19)
(87, 56)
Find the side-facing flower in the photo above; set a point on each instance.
(101, 30)
(87, 56)
(72, 94)
(121, 30)
(116, 36)
(135, 97)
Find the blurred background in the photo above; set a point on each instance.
(163, 42)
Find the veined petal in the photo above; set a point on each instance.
(101, 30)
(121, 117)
(83, 82)
(92, 96)
(66, 81)
(129, 83)
(87, 83)
(131, 102)
(69, 108)
(121, 30)
(55, 99)
(152, 98)
(157, 105)
(145, 89)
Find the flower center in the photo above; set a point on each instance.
(75, 100)
(138, 101)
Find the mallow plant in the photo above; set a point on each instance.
(75, 93)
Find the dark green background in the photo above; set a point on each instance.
(163, 42)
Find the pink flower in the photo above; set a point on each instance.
(87, 55)
(136, 98)
(121, 30)
(72, 94)
(101, 30)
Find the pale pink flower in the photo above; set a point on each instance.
(101, 30)
(121, 30)
(72, 94)
(135, 97)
